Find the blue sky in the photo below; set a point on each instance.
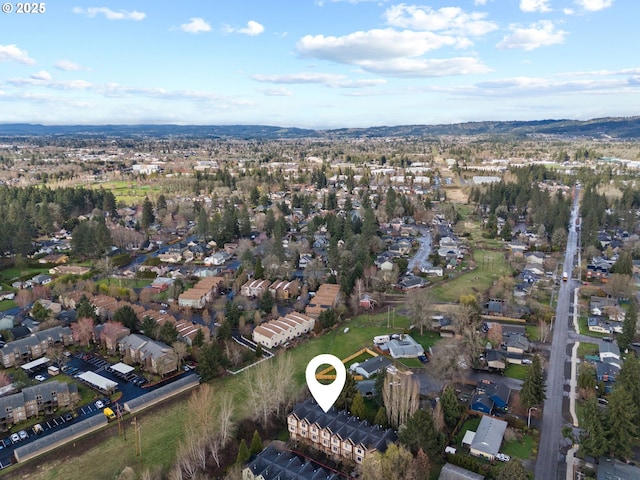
(319, 63)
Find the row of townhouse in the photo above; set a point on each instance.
(155, 357)
(255, 288)
(187, 330)
(44, 398)
(34, 346)
(202, 293)
(277, 332)
(327, 296)
(285, 289)
(337, 434)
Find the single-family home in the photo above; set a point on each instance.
(609, 352)
(488, 438)
(371, 366)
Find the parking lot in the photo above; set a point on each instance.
(131, 385)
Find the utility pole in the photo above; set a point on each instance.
(136, 432)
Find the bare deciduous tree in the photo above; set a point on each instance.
(401, 395)
(82, 331)
(420, 306)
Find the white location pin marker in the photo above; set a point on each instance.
(325, 395)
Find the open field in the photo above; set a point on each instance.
(491, 265)
(7, 304)
(521, 449)
(129, 192)
(518, 372)
(587, 349)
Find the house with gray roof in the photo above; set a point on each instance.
(488, 438)
(336, 433)
(154, 356)
(453, 472)
(405, 347)
(274, 464)
(371, 366)
(34, 346)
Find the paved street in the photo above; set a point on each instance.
(548, 462)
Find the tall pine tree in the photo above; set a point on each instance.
(533, 389)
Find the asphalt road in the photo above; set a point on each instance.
(549, 457)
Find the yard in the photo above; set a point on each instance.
(129, 192)
(584, 329)
(522, 448)
(587, 349)
(518, 372)
(490, 266)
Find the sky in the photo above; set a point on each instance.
(318, 63)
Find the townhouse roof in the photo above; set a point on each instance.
(348, 428)
(273, 464)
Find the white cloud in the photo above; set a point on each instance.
(536, 35)
(479, 2)
(328, 79)
(196, 25)
(372, 45)
(252, 29)
(68, 66)
(41, 75)
(568, 11)
(450, 20)
(416, 68)
(594, 5)
(110, 14)
(276, 92)
(11, 53)
(529, 6)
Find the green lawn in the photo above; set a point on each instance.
(130, 191)
(584, 329)
(10, 275)
(516, 371)
(7, 304)
(471, 424)
(491, 265)
(125, 283)
(587, 349)
(520, 449)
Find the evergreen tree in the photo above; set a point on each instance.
(243, 453)
(621, 427)
(358, 408)
(258, 269)
(203, 227)
(629, 326)
(381, 418)
(147, 218)
(593, 440)
(126, 315)
(162, 202)
(628, 379)
(256, 443)
(348, 393)
(167, 333)
(266, 301)
(420, 433)
(85, 309)
(505, 232)
(451, 407)
(533, 389)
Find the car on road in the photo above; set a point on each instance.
(23, 434)
(15, 438)
(503, 457)
(40, 378)
(99, 404)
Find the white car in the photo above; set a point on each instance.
(99, 404)
(40, 378)
(503, 457)
(526, 361)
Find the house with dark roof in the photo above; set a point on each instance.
(488, 438)
(480, 402)
(336, 433)
(490, 395)
(274, 464)
(34, 346)
(454, 472)
(371, 366)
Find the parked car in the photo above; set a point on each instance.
(23, 434)
(15, 438)
(68, 417)
(503, 457)
(37, 428)
(40, 378)
(99, 404)
(526, 361)
(106, 401)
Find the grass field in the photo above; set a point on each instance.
(163, 428)
(491, 265)
(10, 275)
(7, 304)
(584, 329)
(516, 371)
(129, 191)
(520, 448)
(125, 283)
(587, 349)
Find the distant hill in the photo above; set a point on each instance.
(615, 128)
